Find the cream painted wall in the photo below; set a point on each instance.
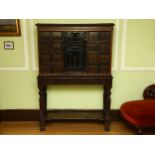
(133, 68)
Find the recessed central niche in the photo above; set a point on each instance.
(74, 51)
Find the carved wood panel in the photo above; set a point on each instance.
(59, 50)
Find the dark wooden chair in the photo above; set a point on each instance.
(141, 113)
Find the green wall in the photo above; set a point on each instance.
(132, 63)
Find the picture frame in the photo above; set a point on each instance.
(8, 45)
(10, 27)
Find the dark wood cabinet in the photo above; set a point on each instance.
(75, 54)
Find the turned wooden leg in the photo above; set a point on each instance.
(43, 106)
(0, 117)
(42, 123)
(107, 100)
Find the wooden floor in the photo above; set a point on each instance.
(67, 128)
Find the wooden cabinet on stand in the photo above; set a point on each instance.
(75, 54)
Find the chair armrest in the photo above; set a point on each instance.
(149, 92)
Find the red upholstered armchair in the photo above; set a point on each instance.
(141, 113)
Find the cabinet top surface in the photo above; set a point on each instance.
(74, 25)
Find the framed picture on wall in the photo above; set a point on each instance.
(9, 27)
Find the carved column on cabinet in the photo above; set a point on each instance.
(43, 106)
(107, 100)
